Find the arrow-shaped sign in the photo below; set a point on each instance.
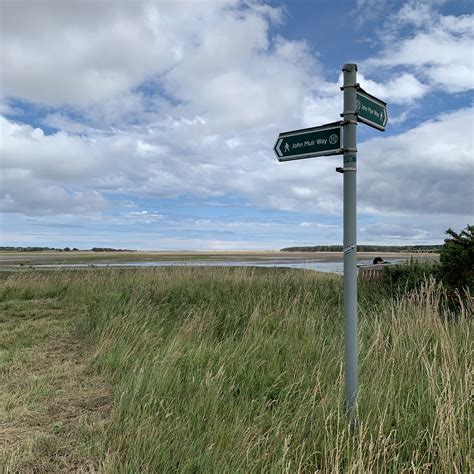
(277, 148)
(309, 142)
(370, 110)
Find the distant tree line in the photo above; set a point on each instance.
(36, 249)
(106, 249)
(366, 248)
(65, 249)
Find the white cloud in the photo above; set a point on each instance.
(59, 157)
(368, 10)
(324, 106)
(459, 25)
(454, 78)
(216, 86)
(122, 63)
(65, 124)
(438, 50)
(416, 13)
(80, 53)
(428, 169)
(24, 194)
(403, 88)
(399, 230)
(425, 170)
(215, 59)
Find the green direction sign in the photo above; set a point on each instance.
(309, 142)
(370, 110)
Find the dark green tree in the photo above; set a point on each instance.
(457, 259)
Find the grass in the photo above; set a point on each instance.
(53, 406)
(240, 370)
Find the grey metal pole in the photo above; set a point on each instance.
(351, 375)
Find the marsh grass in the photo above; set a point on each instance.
(241, 370)
(53, 405)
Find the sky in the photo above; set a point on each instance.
(151, 124)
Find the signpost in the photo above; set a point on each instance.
(309, 142)
(359, 106)
(370, 110)
(351, 370)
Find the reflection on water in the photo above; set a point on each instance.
(320, 266)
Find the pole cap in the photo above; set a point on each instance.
(349, 67)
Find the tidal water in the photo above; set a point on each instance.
(319, 266)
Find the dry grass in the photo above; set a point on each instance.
(53, 406)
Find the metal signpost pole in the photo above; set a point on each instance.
(351, 376)
(325, 140)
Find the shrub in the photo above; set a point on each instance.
(409, 277)
(457, 259)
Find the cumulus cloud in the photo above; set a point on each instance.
(437, 48)
(424, 229)
(424, 170)
(402, 88)
(427, 169)
(80, 53)
(165, 99)
(23, 194)
(214, 59)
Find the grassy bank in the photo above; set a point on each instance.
(240, 370)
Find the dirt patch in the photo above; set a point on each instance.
(54, 407)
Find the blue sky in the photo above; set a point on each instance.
(150, 124)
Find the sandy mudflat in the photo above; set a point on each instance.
(88, 257)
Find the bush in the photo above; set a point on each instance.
(408, 277)
(457, 259)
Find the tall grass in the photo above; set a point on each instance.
(241, 370)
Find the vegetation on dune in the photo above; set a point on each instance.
(240, 370)
(366, 248)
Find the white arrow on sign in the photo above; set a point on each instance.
(278, 147)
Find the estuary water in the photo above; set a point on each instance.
(325, 266)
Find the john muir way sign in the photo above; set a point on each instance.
(370, 110)
(359, 106)
(309, 142)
